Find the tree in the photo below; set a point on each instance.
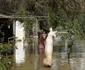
(65, 13)
(68, 14)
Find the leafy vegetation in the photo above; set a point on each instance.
(69, 14)
(5, 61)
(6, 49)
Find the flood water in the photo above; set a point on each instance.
(34, 61)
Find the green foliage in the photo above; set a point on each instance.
(28, 25)
(5, 63)
(65, 13)
(5, 50)
(69, 15)
(1, 34)
(65, 10)
(16, 7)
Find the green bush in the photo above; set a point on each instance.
(5, 51)
(5, 63)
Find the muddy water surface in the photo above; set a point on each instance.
(34, 61)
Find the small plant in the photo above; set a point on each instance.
(6, 50)
(5, 63)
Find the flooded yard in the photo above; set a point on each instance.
(34, 61)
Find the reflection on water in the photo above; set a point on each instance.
(19, 52)
(34, 61)
(77, 64)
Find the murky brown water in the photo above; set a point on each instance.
(34, 61)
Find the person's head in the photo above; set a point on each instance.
(52, 33)
(51, 29)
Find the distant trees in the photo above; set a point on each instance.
(16, 7)
(63, 11)
(69, 14)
